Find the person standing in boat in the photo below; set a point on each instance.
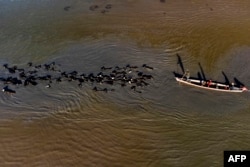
(232, 86)
(186, 75)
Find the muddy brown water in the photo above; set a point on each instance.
(166, 125)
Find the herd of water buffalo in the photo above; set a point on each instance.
(134, 77)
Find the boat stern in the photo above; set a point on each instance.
(244, 89)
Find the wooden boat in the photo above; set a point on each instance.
(210, 85)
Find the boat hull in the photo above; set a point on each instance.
(213, 85)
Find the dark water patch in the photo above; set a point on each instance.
(145, 27)
(162, 92)
(67, 8)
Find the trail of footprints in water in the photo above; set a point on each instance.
(134, 77)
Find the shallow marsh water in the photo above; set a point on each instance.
(166, 125)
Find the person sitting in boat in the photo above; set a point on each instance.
(216, 86)
(244, 88)
(209, 83)
(186, 75)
